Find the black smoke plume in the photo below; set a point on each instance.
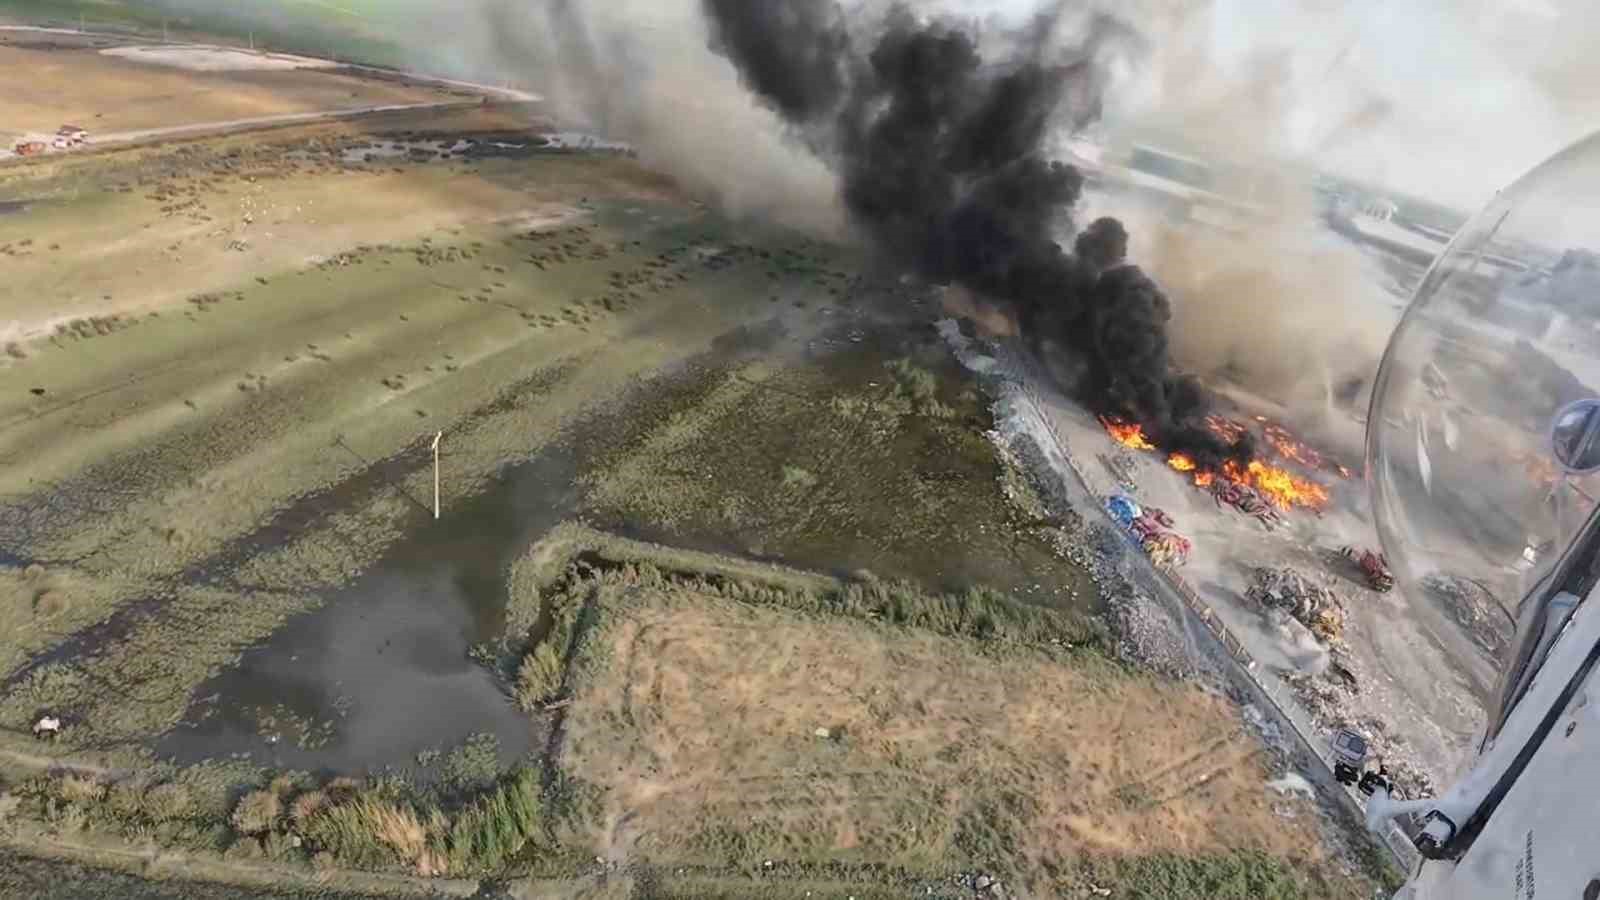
(941, 160)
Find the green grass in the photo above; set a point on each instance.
(539, 675)
(474, 765)
(494, 829)
(370, 831)
(978, 613)
(919, 388)
(1245, 875)
(877, 461)
(544, 661)
(139, 809)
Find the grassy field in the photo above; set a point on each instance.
(853, 649)
(875, 461)
(866, 739)
(214, 344)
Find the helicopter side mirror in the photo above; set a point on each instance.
(1575, 437)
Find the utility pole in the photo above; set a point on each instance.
(252, 42)
(436, 474)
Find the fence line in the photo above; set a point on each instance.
(1270, 688)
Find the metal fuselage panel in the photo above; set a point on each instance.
(1543, 839)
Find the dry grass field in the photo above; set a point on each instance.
(82, 85)
(741, 720)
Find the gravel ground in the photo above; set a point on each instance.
(1149, 626)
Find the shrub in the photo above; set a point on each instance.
(368, 832)
(75, 788)
(796, 477)
(539, 676)
(307, 805)
(919, 388)
(245, 848)
(168, 802)
(256, 813)
(342, 788)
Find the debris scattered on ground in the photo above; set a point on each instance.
(1334, 706)
(1146, 633)
(1245, 499)
(1293, 783)
(1121, 466)
(1314, 605)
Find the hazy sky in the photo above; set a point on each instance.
(1451, 99)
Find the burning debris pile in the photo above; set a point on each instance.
(941, 157)
(1243, 498)
(1313, 605)
(1255, 488)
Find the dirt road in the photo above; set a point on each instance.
(235, 125)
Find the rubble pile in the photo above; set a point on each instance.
(1333, 700)
(1145, 632)
(1245, 499)
(1122, 467)
(1314, 605)
(1475, 610)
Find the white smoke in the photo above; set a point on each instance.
(1432, 97)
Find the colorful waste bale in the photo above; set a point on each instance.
(1151, 528)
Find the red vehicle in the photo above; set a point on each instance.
(1374, 568)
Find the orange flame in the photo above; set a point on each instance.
(1278, 486)
(1289, 448)
(1225, 428)
(1126, 433)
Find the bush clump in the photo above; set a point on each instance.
(256, 813)
(489, 832)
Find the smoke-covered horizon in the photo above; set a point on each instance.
(1435, 98)
(939, 131)
(1295, 87)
